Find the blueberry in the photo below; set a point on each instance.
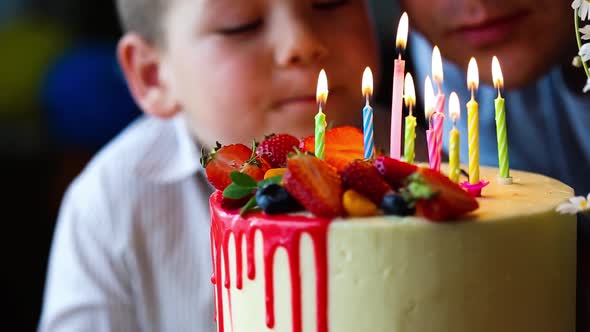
(395, 204)
(274, 199)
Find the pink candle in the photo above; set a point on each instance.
(396, 109)
(398, 87)
(429, 107)
(437, 129)
(438, 116)
(438, 120)
(433, 156)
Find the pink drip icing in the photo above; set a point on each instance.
(284, 231)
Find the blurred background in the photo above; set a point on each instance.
(62, 98)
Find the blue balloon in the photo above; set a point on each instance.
(86, 97)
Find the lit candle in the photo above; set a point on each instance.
(428, 99)
(367, 89)
(320, 118)
(398, 86)
(501, 124)
(431, 140)
(473, 122)
(454, 161)
(438, 116)
(410, 129)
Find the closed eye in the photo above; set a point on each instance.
(330, 5)
(242, 28)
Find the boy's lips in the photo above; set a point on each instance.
(489, 31)
(303, 102)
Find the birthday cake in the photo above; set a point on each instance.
(310, 244)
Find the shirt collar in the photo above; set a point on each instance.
(173, 155)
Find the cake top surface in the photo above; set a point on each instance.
(529, 194)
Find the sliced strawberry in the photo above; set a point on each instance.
(363, 178)
(256, 167)
(236, 157)
(314, 184)
(276, 148)
(222, 161)
(343, 145)
(449, 200)
(394, 171)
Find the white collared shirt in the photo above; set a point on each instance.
(131, 251)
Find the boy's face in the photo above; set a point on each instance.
(528, 36)
(242, 69)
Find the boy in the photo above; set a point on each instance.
(547, 116)
(131, 250)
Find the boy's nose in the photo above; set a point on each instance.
(298, 45)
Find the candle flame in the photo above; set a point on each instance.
(437, 66)
(497, 73)
(402, 32)
(428, 97)
(409, 91)
(454, 106)
(322, 91)
(367, 82)
(472, 75)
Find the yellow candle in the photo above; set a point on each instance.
(454, 160)
(473, 123)
(320, 118)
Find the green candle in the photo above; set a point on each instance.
(320, 134)
(503, 163)
(410, 128)
(320, 118)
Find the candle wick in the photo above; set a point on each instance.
(367, 100)
(410, 107)
(499, 92)
(320, 106)
(472, 93)
(439, 86)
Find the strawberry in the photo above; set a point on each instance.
(275, 149)
(236, 157)
(439, 198)
(363, 178)
(314, 184)
(393, 170)
(343, 145)
(256, 167)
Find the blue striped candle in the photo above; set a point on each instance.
(367, 89)
(368, 132)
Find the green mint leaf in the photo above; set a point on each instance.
(235, 191)
(250, 205)
(242, 180)
(275, 179)
(418, 189)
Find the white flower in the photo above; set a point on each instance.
(583, 7)
(574, 205)
(585, 52)
(585, 32)
(587, 86)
